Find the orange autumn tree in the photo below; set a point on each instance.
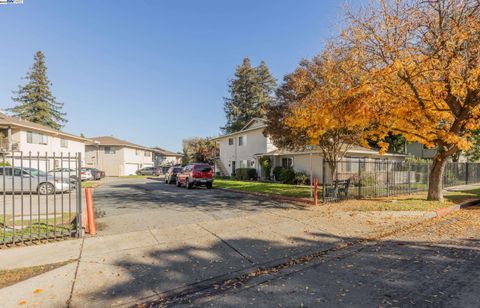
(403, 67)
(318, 105)
(421, 73)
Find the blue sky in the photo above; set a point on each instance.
(155, 72)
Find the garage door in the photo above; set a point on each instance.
(130, 169)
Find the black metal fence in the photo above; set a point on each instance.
(361, 178)
(41, 197)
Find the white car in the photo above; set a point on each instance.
(85, 175)
(16, 179)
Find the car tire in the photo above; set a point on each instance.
(209, 185)
(46, 189)
(178, 183)
(188, 185)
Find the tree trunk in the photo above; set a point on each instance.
(435, 184)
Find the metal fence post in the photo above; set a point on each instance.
(359, 180)
(324, 187)
(388, 180)
(79, 195)
(466, 173)
(409, 180)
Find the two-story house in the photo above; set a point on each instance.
(166, 158)
(244, 148)
(26, 138)
(117, 157)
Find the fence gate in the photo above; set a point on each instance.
(41, 197)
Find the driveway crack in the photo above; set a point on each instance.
(227, 243)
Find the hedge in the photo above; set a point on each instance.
(245, 174)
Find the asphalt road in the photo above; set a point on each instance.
(140, 204)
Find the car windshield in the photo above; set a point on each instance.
(177, 169)
(34, 172)
(203, 168)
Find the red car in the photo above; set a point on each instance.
(195, 174)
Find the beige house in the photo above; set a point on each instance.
(117, 157)
(166, 158)
(244, 148)
(26, 138)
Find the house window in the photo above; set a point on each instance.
(146, 154)
(109, 150)
(287, 162)
(242, 140)
(36, 138)
(137, 152)
(230, 141)
(244, 163)
(64, 143)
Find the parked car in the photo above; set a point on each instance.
(96, 174)
(65, 172)
(171, 174)
(195, 174)
(18, 179)
(149, 171)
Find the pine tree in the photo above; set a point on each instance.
(36, 102)
(251, 92)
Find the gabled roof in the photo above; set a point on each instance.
(314, 150)
(253, 124)
(166, 152)
(112, 141)
(6, 121)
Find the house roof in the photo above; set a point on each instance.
(112, 141)
(6, 121)
(166, 152)
(247, 128)
(353, 150)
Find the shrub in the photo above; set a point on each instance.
(276, 173)
(301, 178)
(266, 164)
(5, 164)
(287, 176)
(245, 174)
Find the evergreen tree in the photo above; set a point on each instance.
(251, 92)
(35, 101)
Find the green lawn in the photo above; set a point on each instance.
(90, 184)
(300, 191)
(39, 229)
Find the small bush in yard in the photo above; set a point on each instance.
(276, 173)
(287, 176)
(301, 178)
(245, 174)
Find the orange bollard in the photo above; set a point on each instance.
(315, 191)
(90, 211)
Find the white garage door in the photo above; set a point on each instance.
(130, 169)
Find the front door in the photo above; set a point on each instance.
(233, 168)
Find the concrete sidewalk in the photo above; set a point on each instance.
(134, 267)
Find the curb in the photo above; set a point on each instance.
(448, 210)
(294, 200)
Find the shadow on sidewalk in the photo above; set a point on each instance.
(389, 273)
